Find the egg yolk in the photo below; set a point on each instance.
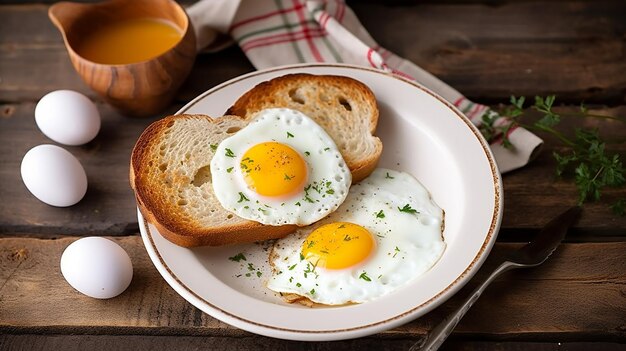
(338, 245)
(273, 169)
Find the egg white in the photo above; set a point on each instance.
(407, 243)
(328, 175)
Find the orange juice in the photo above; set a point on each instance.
(129, 41)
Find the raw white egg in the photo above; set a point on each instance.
(54, 175)
(282, 168)
(97, 267)
(387, 233)
(67, 117)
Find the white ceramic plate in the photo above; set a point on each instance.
(423, 135)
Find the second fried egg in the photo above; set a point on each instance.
(386, 233)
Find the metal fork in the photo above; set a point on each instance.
(530, 255)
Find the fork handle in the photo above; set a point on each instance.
(440, 333)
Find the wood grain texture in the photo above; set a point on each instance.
(532, 304)
(532, 194)
(487, 49)
(260, 343)
(574, 49)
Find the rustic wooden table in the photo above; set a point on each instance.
(486, 49)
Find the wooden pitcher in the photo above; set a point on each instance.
(135, 89)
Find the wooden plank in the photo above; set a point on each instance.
(50, 69)
(574, 49)
(109, 206)
(516, 48)
(260, 343)
(533, 304)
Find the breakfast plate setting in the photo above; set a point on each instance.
(423, 136)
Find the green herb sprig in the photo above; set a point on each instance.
(584, 156)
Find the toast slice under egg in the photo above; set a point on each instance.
(170, 163)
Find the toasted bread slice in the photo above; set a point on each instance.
(344, 107)
(170, 174)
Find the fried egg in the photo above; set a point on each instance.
(282, 168)
(387, 232)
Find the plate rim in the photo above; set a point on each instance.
(359, 330)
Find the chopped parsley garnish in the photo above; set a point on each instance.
(248, 274)
(287, 177)
(289, 135)
(250, 267)
(347, 238)
(388, 176)
(290, 279)
(301, 257)
(292, 267)
(380, 214)
(326, 149)
(242, 197)
(307, 153)
(365, 277)
(298, 285)
(262, 210)
(341, 226)
(407, 208)
(309, 270)
(259, 274)
(229, 153)
(238, 257)
(230, 169)
(213, 147)
(310, 244)
(308, 199)
(330, 191)
(312, 291)
(298, 203)
(397, 250)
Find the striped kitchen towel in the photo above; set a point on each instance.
(280, 32)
